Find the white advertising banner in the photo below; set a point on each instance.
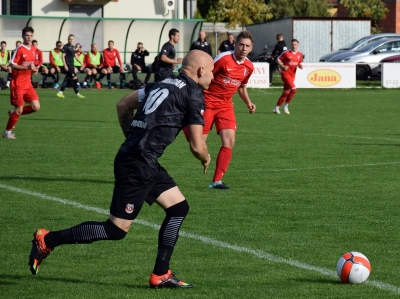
(391, 75)
(260, 76)
(326, 75)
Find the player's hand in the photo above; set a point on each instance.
(252, 108)
(205, 164)
(179, 60)
(58, 70)
(121, 69)
(300, 65)
(66, 68)
(285, 67)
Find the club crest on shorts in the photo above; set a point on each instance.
(129, 208)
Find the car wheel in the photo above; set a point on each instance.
(362, 72)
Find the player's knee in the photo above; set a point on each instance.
(178, 210)
(113, 232)
(36, 107)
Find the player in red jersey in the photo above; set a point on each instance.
(109, 56)
(22, 90)
(232, 71)
(289, 61)
(39, 64)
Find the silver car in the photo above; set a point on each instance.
(357, 44)
(367, 58)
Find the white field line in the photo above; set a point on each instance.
(209, 241)
(322, 135)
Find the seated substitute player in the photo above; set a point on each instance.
(22, 91)
(79, 64)
(289, 61)
(57, 63)
(39, 63)
(164, 108)
(94, 63)
(138, 63)
(5, 58)
(232, 70)
(109, 56)
(68, 55)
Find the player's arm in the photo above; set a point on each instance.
(279, 62)
(198, 147)
(246, 99)
(300, 65)
(166, 59)
(65, 64)
(126, 107)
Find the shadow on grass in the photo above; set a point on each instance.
(52, 179)
(17, 279)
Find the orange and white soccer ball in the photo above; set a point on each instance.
(353, 267)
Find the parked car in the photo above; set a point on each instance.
(357, 44)
(367, 58)
(394, 58)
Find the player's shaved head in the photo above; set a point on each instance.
(198, 65)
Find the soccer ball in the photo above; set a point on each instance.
(353, 267)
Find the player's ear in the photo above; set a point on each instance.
(200, 72)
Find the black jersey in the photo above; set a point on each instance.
(280, 47)
(69, 51)
(202, 46)
(168, 106)
(226, 46)
(138, 58)
(169, 50)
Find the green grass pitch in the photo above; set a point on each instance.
(305, 188)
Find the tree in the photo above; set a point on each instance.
(298, 8)
(238, 12)
(374, 9)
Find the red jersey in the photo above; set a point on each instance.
(109, 57)
(292, 60)
(229, 75)
(23, 55)
(38, 58)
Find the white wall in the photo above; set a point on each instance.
(144, 9)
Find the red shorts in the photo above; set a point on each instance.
(288, 83)
(18, 97)
(224, 118)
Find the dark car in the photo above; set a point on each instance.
(394, 58)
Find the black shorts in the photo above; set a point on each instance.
(135, 183)
(115, 69)
(71, 72)
(41, 69)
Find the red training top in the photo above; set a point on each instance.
(109, 57)
(292, 60)
(23, 55)
(229, 75)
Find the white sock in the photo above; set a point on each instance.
(60, 91)
(276, 108)
(286, 105)
(85, 83)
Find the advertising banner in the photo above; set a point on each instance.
(326, 75)
(391, 75)
(260, 76)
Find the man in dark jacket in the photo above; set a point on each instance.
(138, 63)
(280, 47)
(201, 44)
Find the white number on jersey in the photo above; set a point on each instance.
(155, 98)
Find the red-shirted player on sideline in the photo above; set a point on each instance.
(232, 71)
(289, 61)
(22, 90)
(109, 56)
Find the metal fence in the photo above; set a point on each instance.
(125, 33)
